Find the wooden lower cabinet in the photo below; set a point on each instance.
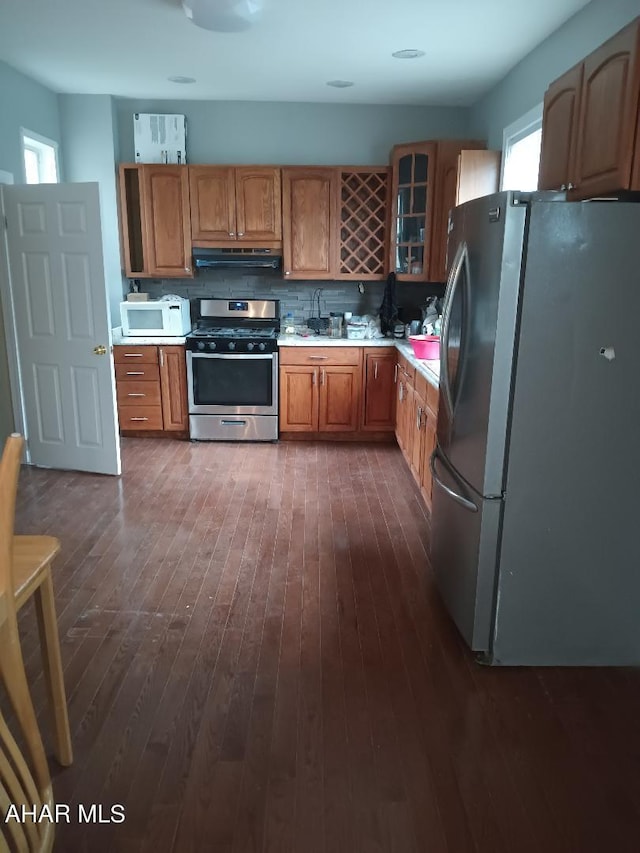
(379, 389)
(151, 386)
(320, 389)
(299, 400)
(416, 424)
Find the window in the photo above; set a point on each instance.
(40, 159)
(521, 143)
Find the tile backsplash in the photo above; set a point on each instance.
(296, 297)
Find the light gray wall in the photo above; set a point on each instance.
(23, 103)
(524, 87)
(293, 133)
(89, 142)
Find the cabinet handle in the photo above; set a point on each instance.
(395, 374)
(232, 233)
(136, 395)
(570, 186)
(313, 378)
(161, 356)
(322, 377)
(401, 392)
(187, 269)
(135, 372)
(375, 369)
(563, 186)
(133, 355)
(287, 272)
(319, 357)
(240, 233)
(138, 419)
(419, 418)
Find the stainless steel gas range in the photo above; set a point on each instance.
(232, 370)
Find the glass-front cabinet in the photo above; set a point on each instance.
(413, 178)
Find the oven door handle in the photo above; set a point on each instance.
(263, 356)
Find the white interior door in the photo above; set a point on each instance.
(62, 326)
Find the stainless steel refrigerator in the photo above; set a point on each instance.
(536, 495)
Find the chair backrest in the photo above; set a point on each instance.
(25, 783)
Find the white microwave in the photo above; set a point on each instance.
(162, 317)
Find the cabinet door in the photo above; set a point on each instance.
(213, 207)
(559, 130)
(166, 220)
(298, 398)
(258, 204)
(429, 445)
(447, 181)
(608, 115)
(309, 222)
(173, 382)
(339, 398)
(379, 390)
(412, 195)
(417, 428)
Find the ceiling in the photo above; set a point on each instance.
(129, 48)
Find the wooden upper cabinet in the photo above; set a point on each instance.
(560, 130)
(608, 115)
(412, 196)
(213, 206)
(155, 221)
(258, 204)
(364, 223)
(454, 176)
(231, 204)
(309, 222)
(167, 222)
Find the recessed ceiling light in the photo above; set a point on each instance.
(408, 54)
(340, 84)
(179, 79)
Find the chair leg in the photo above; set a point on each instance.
(52, 666)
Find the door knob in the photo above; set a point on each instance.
(100, 350)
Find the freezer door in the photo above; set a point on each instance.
(476, 349)
(464, 544)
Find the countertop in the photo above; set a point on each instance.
(117, 339)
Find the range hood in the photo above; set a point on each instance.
(236, 259)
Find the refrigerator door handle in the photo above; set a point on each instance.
(465, 502)
(461, 260)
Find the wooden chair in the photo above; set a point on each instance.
(31, 576)
(25, 782)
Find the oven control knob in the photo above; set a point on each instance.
(250, 347)
(232, 345)
(200, 345)
(262, 347)
(212, 345)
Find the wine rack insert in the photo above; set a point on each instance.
(364, 228)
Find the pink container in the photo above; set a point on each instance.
(425, 346)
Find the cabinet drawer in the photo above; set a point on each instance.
(135, 354)
(320, 355)
(132, 393)
(140, 417)
(139, 372)
(433, 395)
(408, 368)
(420, 385)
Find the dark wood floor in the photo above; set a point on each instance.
(257, 660)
